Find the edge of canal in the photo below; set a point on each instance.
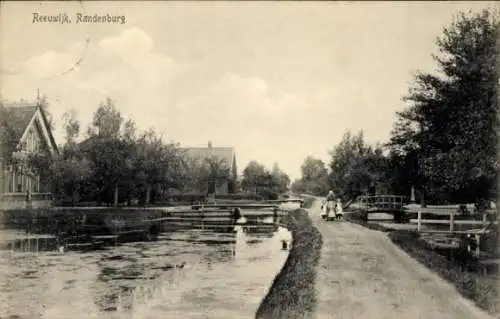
(293, 293)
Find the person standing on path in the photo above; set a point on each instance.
(329, 204)
(330, 196)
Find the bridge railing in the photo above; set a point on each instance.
(382, 201)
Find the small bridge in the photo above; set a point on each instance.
(389, 204)
(382, 203)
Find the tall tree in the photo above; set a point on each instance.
(107, 120)
(71, 127)
(280, 179)
(449, 130)
(9, 137)
(356, 167)
(109, 167)
(194, 174)
(259, 180)
(313, 169)
(171, 167)
(253, 176)
(218, 173)
(314, 178)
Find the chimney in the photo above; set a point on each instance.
(209, 144)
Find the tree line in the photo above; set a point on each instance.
(117, 163)
(268, 184)
(444, 142)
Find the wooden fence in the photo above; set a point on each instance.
(451, 222)
(483, 228)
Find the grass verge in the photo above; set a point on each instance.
(452, 265)
(292, 293)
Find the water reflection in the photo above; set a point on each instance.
(185, 274)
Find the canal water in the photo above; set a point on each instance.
(183, 274)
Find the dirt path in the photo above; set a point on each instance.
(363, 275)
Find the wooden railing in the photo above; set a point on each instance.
(451, 222)
(381, 202)
(23, 196)
(475, 235)
(10, 201)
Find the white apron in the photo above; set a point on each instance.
(339, 209)
(328, 209)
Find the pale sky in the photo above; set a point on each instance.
(277, 81)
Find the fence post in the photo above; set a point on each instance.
(419, 220)
(485, 220)
(452, 217)
(478, 243)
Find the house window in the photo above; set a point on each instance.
(33, 184)
(19, 182)
(12, 181)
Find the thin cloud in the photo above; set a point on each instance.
(277, 81)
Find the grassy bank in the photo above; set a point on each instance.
(50, 220)
(452, 265)
(292, 293)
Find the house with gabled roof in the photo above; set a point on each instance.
(226, 155)
(24, 129)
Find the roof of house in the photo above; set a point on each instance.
(223, 153)
(14, 120)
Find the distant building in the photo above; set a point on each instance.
(225, 154)
(24, 129)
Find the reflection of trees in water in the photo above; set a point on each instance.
(224, 254)
(118, 275)
(126, 281)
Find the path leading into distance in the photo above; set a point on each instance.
(362, 274)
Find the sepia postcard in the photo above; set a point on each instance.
(249, 159)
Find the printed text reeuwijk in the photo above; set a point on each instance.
(79, 18)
